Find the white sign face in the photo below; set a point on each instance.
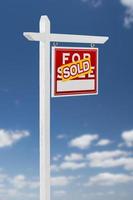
(74, 71)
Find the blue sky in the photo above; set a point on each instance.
(91, 136)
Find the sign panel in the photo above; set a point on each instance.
(74, 71)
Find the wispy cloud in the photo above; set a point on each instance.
(109, 159)
(68, 166)
(128, 19)
(61, 180)
(94, 3)
(109, 179)
(8, 138)
(74, 157)
(18, 187)
(20, 181)
(61, 136)
(104, 194)
(72, 165)
(101, 155)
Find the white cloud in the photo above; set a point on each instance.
(20, 181)
(83, 141)
(128, 20)
(128, 164)
(61, 180)
(108, 179)
(127, 136)
(71, 162)
(104, 142)
(8, 138)
(74, 157)
(72, 165)
(17, 187)
(107, 159)
(100, 159)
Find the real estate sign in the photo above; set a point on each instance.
(74, 71)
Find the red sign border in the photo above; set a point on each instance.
(72, 93)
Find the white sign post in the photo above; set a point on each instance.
(45, 37)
